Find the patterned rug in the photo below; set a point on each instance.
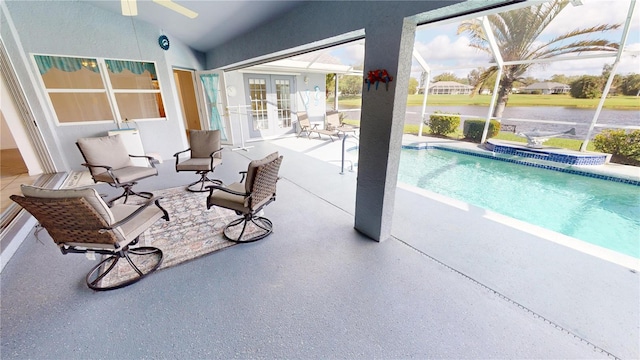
(77, 179)
(193, 231)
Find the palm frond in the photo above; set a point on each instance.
(586, 31)
(544, 52)
(517, 31)
(483, 77)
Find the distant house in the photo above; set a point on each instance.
(450, 88)
(547, 88)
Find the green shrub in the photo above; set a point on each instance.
(473, 128)
(443, 124)
(620, 144)
(586, 87)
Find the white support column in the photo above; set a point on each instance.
(427, 69)
(335, 93)
(614, 69)
(383, 112)
(496, 54)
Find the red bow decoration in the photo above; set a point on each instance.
(377, 76)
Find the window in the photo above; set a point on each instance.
(283, 102)
(258, 94)
(85, 90)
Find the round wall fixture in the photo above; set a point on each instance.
(163, 41)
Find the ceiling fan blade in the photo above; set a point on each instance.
(129, 7)
(177, 8)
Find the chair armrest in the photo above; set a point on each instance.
(215, 152)
(106, 167)
(180, 152)
(244, 175)
(229, 191)
(150, 159)
(177, 155)
(146, 204)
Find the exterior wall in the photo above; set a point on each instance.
(79, 29)
(305, 98)
(312, 99)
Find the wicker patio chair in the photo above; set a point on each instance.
(79, 221)
(205, 154)
(248, 199)
(108, 161)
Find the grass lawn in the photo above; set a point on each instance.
(617, 102)
(565, 100)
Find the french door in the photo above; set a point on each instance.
(270, 98)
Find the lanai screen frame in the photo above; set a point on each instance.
(501, 63)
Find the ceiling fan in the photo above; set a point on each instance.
(130, 8)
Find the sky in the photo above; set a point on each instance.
(445, 51)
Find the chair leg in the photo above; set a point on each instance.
(98, 279)
(265, 225)
(128, 191)
(202, 182)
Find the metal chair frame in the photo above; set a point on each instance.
(263, 188)
(71, 221)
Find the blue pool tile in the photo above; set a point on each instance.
(533, 154)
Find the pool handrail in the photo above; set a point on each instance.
(343, 154)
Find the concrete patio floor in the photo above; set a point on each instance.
(451, 283)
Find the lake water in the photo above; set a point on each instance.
(554, 113)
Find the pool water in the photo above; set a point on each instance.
(597, 211)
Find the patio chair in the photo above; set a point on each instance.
(79, 221)
(205, 154)
(305, 126)
(108, 161)
(333, 122)
(304, 123)
(248, 199)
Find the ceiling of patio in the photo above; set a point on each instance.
(217, 21)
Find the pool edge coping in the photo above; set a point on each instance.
(569, 169)
(585, 247)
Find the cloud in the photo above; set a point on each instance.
(355, 54)
(591, 13)
(443, 52)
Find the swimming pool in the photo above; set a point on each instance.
(601, 212)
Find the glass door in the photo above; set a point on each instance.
(270, 98)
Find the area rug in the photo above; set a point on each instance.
(77, 179)
(193, 231)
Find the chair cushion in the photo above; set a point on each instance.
(230, 201)
(332, 120)
(253, 167)
(198, 164)
(204, 142)
(141, 222)
(127, 174)
(89, 194)
(105, 150)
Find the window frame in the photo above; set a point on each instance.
(107, 89)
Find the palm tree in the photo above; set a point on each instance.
(516, 33)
